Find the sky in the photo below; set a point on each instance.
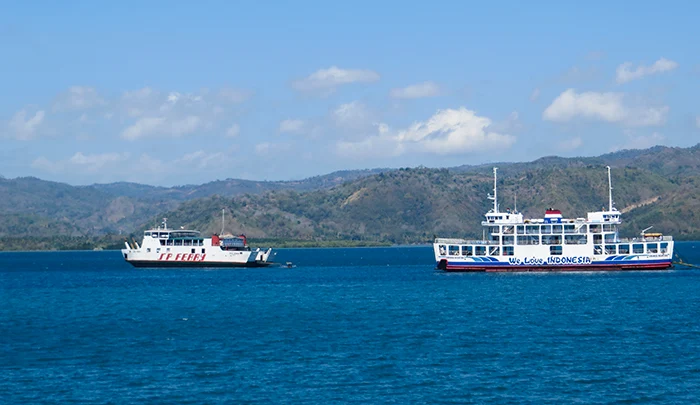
(173, 93)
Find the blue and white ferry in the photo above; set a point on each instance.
(554, 243)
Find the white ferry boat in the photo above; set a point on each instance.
(554, 243)
(163, 247)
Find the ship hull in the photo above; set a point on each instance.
(176, 264)
(592, 267)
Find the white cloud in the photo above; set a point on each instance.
(91, 163)
(110, 166)
(78, 98)
(262, 148)
(266, 149)
(635, 141)
(234, 96)
(420, 90)
(570, 144)
(233, 131)
(446, 132)
(25, 128)
(608, 107)
(535, 94)
(201, 159)
(156, 126)
(625, 73)
(291, 126)
(352, 114)
(97, 160)
(326, 80)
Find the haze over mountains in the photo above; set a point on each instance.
(657, 186)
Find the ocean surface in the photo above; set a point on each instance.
(354, 325)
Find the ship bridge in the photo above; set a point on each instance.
(502, 218)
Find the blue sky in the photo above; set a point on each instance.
(171, 93)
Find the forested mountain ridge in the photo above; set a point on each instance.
(658, 186)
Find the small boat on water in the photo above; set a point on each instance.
(553, 243)
(164, 247)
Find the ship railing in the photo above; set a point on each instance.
(664, 238)
(452, 241)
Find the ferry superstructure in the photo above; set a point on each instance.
(554, 243)
(164, 247)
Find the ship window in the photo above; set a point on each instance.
(442, 249)
(575, 239)
(494, 240)
(162, 242)
(148, 250)
(192, 251)
(454, 250)
(529, 240)
(583, 229)
(494, 251)
(610, 250)
(609, 237)
(623, 249)
(608, 228)
(466, 251)
(638, 248)
(546, 229)
(555, 250)
(493, 229)
(597, 250)
(521, 230)
(169, 242)
(508, 250)
(532, 229)
(203, 250)
(595, 228)
(551, 240)
(178, 242)
(597, 238)
(569, 228)
(480, 250)
(664, 247)
(556, 228)
(652, 248)
(508, 230)
(508, 240)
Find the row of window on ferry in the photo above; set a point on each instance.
(170, 234)
(623, 249)
(550, 239)
(551, 229)
(182, 242)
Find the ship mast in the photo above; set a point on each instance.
(222, 221)
(495, 191)
(610, 200)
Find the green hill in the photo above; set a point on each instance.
(657, 186)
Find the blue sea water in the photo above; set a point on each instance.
(362, 325)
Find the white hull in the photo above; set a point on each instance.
(651, 255)
(554, 243)
(164, 247)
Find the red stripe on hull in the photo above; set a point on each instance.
(590, 267)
